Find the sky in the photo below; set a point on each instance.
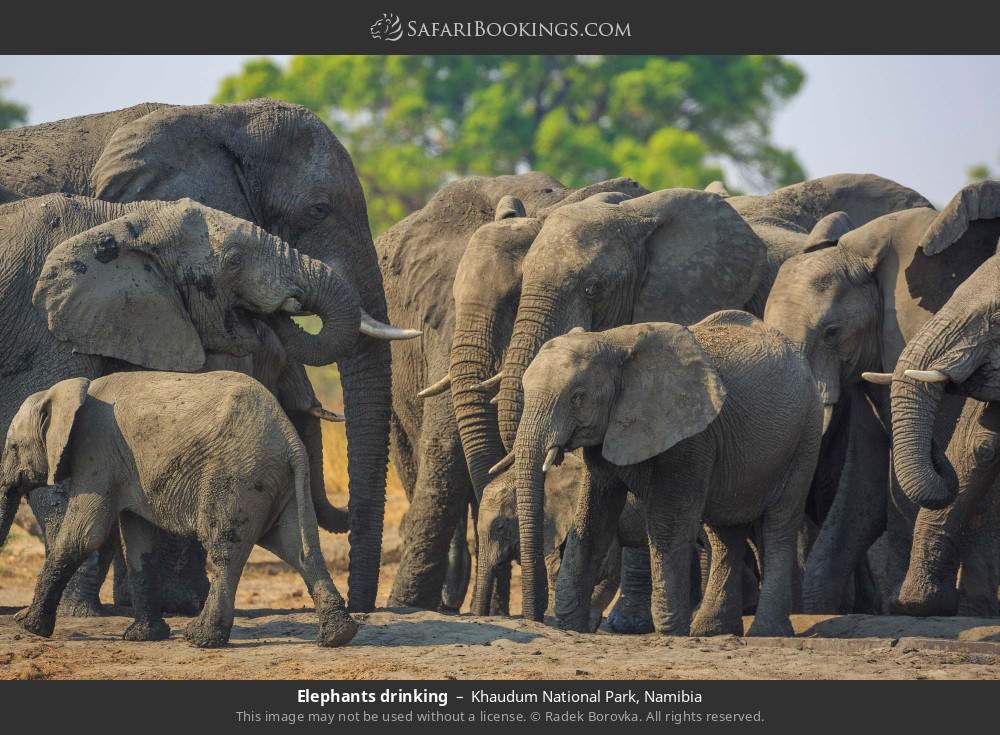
(920, 120)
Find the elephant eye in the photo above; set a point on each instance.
(576, 400)
(831, 333)
(985, 450)
(592, 288)
(320, 210)
(234, 259)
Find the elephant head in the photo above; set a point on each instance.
(958, 350)
(279, 166)
(635, 391)
(35, 444)
(162, 284)
(487, 291)
(851, 302)
(675, 255)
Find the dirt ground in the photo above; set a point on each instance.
(275, 629)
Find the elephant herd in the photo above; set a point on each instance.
(706, 405)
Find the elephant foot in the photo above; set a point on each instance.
(147, 630)
(627, 620)
(771, 628)
(35, 622)
(596, 618)
(712, 624)
(337, 628)
(203, 635)
(81, 607)
(923, 600)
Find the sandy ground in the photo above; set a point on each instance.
(275, 629)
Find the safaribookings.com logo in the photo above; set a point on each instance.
(390, 28)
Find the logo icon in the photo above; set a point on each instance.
(387, 28)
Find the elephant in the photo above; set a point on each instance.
(675, 255)
(726, 409)
(8, 195)
(210, 455)
(499, 545)
(851, 305)
(96, 287)
(274, 164)
(419, 257)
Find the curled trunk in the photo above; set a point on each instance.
(924, 473)
(475, 358)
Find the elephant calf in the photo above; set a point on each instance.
(209, 455)
(717, 423)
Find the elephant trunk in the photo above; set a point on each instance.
(924, 473)
(533, 442)
(536, 323)
(487, 561)
(336, 303)
(475, 358)
(9, 501)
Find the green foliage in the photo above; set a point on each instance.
(979, 172)
(11, 113)
(413, 122)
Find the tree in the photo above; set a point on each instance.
(413, 122)
(979, 172)
(11, 113)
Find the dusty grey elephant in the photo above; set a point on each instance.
(675, 255)
(719, 423)
(95, 287)
(419, 259)
(211, 455)
(499, 544)
(278, 166)
(852, 305)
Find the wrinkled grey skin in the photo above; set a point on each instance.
(239, 477)
(419, 257)
(852, 306)
(94, 287)
(499, 545)
(675, 255)
(719, 423)
(274, 164)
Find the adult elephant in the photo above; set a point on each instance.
(419, 258)
(274, 164)
(675, 255)
(852, 306)
(94, 287)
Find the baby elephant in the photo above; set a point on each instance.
(209, 455)
(720, 422)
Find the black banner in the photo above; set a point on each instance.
(690, 706)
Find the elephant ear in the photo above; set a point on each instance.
(621, 189)
(670, 390)
(828, 231)
(980, 201)
(105, 292)
(508, 207)
(701, 255)
(59, 406)
(177, 152)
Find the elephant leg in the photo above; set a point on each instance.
(721, 609)
(83, 530)
(284, 540)
(139, 548)
(459, 571)
(979, 575)
(500, 601)
(855, 520)
(440, 498)
(403, 458)
(183, 581)
(81, 597)
(631, 614)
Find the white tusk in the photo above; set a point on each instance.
(437, 389)
(827, 415)
(502, 465)
(553, 457)
(489, 382)
(495, 399)
(877, 378)
(927, 376)
(321, 413)
(378, 330)
(291, 305)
